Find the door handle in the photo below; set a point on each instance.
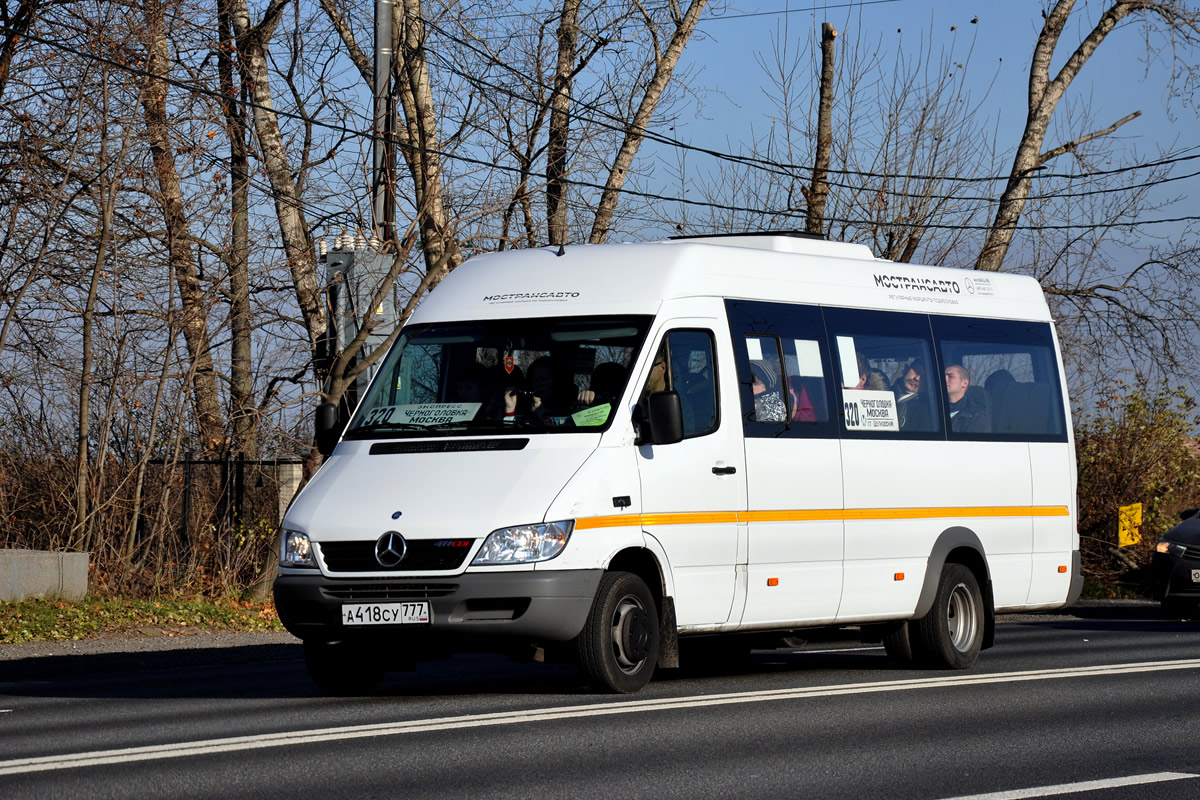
(724, 470)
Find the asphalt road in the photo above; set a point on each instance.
(1102, 706)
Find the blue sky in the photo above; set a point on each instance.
(1116, 78)
(1115, 82)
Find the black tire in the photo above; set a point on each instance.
(618, 647)
(898, 642)
(950, 636)
(340, 669)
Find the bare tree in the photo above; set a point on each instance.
(560, 107)
(193, 318)
(253, 40)
(665, 60)
(1174, 19)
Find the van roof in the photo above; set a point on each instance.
(637, 278)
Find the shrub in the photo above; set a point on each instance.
(1137, 447)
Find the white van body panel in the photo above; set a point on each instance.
(609, 473)
(704, 551)
(934, 475)
(804, 556)
(1054, 538)
(444, 495)
(639, 278)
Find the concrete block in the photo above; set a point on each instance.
(40, 573)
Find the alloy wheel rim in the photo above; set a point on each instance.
(961, 620)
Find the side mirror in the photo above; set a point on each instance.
(666, 417)
(328, 428)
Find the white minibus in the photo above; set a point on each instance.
(639, 455)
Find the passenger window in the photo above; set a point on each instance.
(1011, 380)
(887, 386)
(767, 380)
(782, 364)
(684, 362)
(805, 380)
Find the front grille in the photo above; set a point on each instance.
(387, 591)
(422, 555)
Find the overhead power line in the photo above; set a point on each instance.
(783, 212)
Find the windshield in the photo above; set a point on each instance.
(544, 375)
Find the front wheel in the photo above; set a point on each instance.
(950, 636)
(618, 647)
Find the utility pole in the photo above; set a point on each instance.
(357, 266)
(383, 154)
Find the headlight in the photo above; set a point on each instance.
(1169, 547)
(523, 544)
(296, 550)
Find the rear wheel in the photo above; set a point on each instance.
(341, 669)
(618, 647)
(898, 642)
(950, 636)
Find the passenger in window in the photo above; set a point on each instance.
(803, 407)
(656, 381)
(543, 385)
(468, 386)
(970, 411)
(768, 401)
(697, 395)
(605, 385)
(912, 406)
(869, 377)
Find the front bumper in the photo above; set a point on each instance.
(536, 606)
(1175, 577)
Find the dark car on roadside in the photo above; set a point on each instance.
(1176, 566)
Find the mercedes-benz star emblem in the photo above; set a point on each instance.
(390, 549)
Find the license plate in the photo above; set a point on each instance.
(385, 613)
(1196, 576)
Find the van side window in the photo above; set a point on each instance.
(1010, 368)
(684, 362)
(783, 369)
(767, 381)
(887, 377)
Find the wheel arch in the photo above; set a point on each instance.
(645, 564)
(959, 545)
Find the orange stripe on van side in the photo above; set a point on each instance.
(700, 518)
(615, 521)
(816, 515)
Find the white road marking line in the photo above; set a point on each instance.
(1083, 786)
(261, 741)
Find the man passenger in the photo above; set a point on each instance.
(969, 409)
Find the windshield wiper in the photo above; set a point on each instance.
(388, 426)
